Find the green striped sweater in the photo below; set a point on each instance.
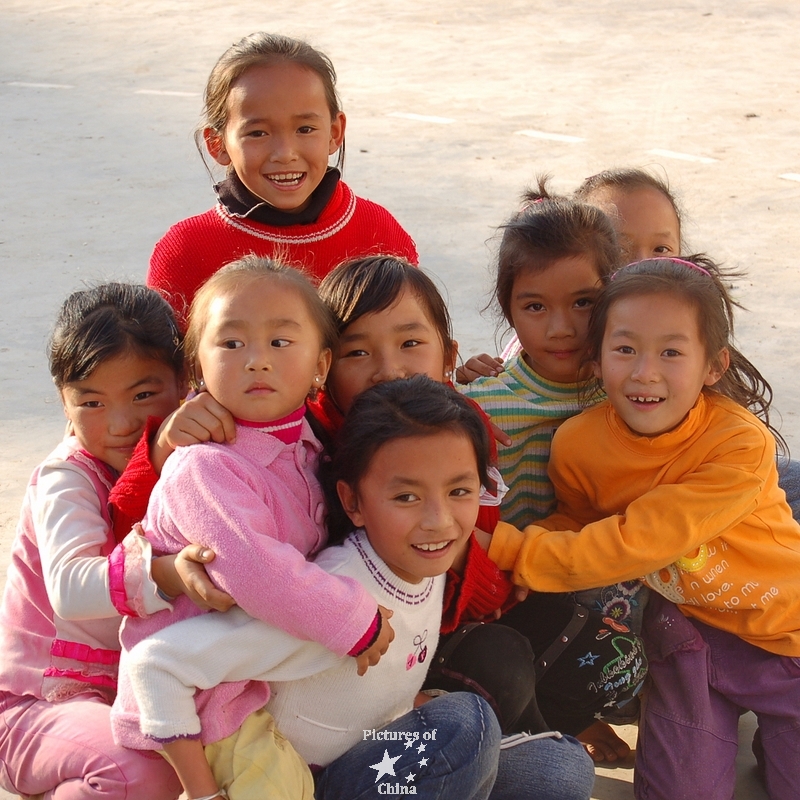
(528, 408)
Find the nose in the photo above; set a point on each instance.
(123, 422)
(560, 324)
(437, 517)
(282, 151)
(388, 369)
(644, 369)
(258, 357)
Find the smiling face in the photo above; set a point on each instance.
(645, 221)
(279, 133)
(418, 502)
(550, 314)
(398, 342)
(260, 352)
(109, 409)
(653, 363)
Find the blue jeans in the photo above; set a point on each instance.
(544, 769)
(461, 740)
(462, 760)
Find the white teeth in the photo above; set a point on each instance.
(647, 399)
(289, 178)
(433, 546)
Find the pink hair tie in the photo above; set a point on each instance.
(682, 261)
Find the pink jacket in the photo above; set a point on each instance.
(258, 505)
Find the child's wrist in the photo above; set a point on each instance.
(369, 638)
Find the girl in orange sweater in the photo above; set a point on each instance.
(673, 479)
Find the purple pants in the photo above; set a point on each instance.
(701, 680)
(65, 751)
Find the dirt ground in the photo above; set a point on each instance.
(453, 107)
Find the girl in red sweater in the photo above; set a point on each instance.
(272, 118)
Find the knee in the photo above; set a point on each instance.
(143, 775)
(466, 728)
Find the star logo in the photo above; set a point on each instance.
(587, 660)
(420, 748)
(409, 742)
(410, 777)
(385, 766)
(423, 762)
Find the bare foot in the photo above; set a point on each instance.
(602, 744)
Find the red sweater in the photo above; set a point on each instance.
(348, 227)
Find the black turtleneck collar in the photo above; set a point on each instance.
(241, 202)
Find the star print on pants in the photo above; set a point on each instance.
(587, 660)
(385, 766)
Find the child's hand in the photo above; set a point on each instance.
(500, 435)
(482, 366)
(185, 573)
(372, 655)
(200, 419)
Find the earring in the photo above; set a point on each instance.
(201, 383)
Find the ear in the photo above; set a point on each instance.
(323, 367)
(215, 144)
(349, 499)
(338, 125)
(450, 368)
(718, 367)
(183, 384)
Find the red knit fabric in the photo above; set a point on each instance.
(129, 496)
(349, 227)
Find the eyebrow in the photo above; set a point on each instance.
(533, 295)
(400, 480)
(670, 337)
(310, 115)
(403, 328)
(240, 324)
(81, 391)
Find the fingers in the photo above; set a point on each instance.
(500, 435)
(480, 366)
(198, 553)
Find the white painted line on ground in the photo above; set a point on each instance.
(26, 85)
(790, 176)
(167, 93)
(683, 156)
(553, 137)
(421, 118)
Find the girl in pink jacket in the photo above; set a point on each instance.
(259, 340)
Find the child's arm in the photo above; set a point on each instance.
(73, 538)
(188, 759)
(656, 529)
(213, 497)
(200, 419)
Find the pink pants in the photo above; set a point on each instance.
(65, 750)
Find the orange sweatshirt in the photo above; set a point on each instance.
(695, 512)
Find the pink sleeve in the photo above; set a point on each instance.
(269, 578)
